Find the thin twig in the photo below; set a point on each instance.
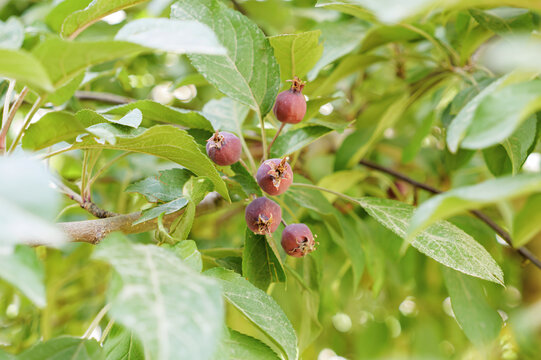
(481, 216)
(103, 169)
(276, 136)
(7, 123)
(87, 205)
(27, 120)
(103, 97)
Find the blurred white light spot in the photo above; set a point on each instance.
(533, 163)
(341, 322)
(365, 317)
(115, 18)
(326, 354)
(185, 93)
(147, 80)
(389, 133)
(447, 308)
(326, 109)
(306, 98)
(504, 315)
(501, 241)
(96, 334)
(394, 326)
(13, 309)
(513, 296)
(408, 307)
(171, 59)
(162, 94)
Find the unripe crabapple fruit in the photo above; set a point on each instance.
(263, 216)
(297, 240)
(290, 105)
(224, 148)
(274, 176)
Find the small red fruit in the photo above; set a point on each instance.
(224, 148)
(274, 176)
(290, 105)
(297, 240)
(263, 216)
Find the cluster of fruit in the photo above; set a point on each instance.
(274, 176)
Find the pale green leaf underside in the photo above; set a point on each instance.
(443, 241)
(176, 312)
(26, 69)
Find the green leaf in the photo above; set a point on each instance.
(162, 113)
(50, 129)
(249, 72)
(237, 346)
(443, 241)
(296, 53)
(64, 60)
(63, 9)
(176, 312)
(79, 20)
(122, 344)
(28, 204)
(527, 222)
(339, 39)
(168, 142)
(167, 208)
(226, 114)
(471, 197)
(64, 93)
(11, 34)
(505, 20)
(187, 251)
(246, 180)
(25, 68)
(341, 181)
(388, 119)
(259, 308)
(260, 264)
(185, 222)
(197, 188)
(64, 348)
(171, 36)
(520, 144)
(296, 139)
(500, 113)
(167, 186)
(479, 321)
(385, 34)
(497, 160)
(23, 270)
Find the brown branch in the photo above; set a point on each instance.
(103, 97)
(481, 216)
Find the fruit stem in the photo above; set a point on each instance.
(263, 134)
(315, 187)
(27, 120)
(276, 136)
(7, 122)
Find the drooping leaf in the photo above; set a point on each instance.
(259, 308)
(171, 36)
(500, 113)
(167, 208)
(296, 53)
(479, 321)
(25, 68)
(470, 197)
(50, 129)
(165, 114)
(260, 265)
(505, 20)
(249, 72)
(28, 204)
(122, 344)
(176, 312)
(64, 347)
(79, 20)
(24, 270)
(296, 139)
(443, 241)
(167, 142)
(238, 346)
(519, 145)
(339, 39)
(527, 222)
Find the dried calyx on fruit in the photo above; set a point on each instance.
(290, 106)
(224, 148)
(274, 176)
(297, 240)
(263, 216)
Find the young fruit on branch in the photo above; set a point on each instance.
(263, 216)
(274, 176)
(224, 148)
(290, 105)
(297, 240)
